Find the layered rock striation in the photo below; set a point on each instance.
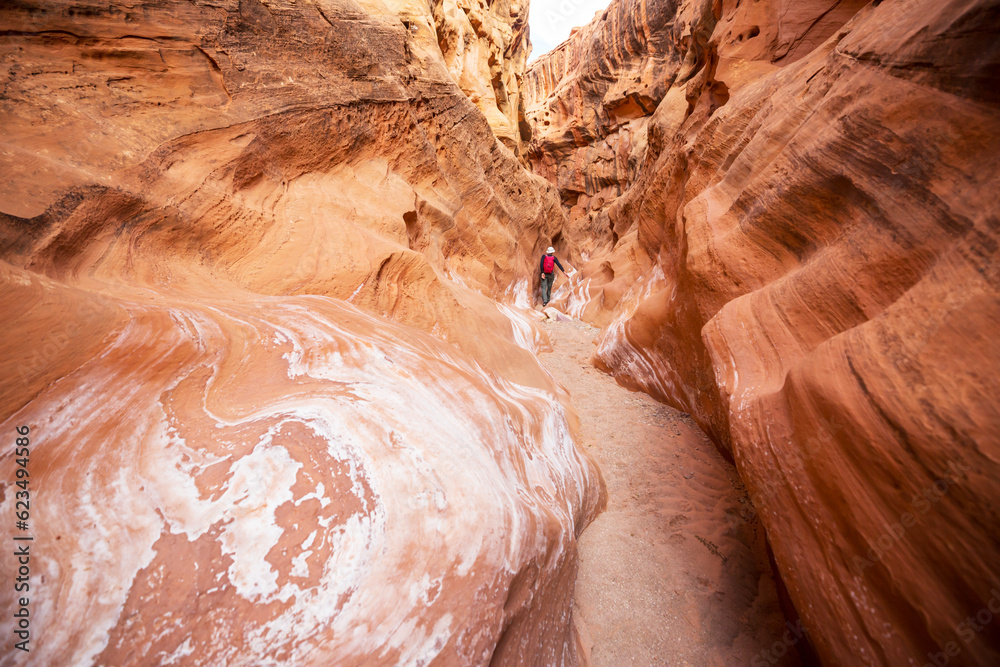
(251, 252)
(485, 47)
(588, 102)
(802, 253)
(328, 130)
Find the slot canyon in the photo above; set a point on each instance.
(280, 387)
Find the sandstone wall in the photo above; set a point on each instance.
(485, 47)
(327, 129)
(804, 258)
(588, 102)
(235, 240)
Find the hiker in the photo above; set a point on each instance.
(548, 265)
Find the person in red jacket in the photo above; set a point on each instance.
(548, 266)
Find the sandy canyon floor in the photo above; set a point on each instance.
(673, 572)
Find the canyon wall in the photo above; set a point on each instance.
(485, 47)
(792, 230)
(250, 251)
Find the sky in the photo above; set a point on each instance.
(551, 21)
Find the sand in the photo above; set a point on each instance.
(672, 572)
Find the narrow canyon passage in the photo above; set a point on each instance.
(274, 395)
(670, 574)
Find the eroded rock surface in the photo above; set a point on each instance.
(795, 240)
(237, 239)
(485, 46)
(243, 479)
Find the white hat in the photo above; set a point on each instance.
(550, 250)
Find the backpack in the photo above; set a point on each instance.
(549, 263)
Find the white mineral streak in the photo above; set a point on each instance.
(523, 319)
(647, 371)
(519, 294)
(523, 327)
(439, 469)
(579, 297)
(565, 284)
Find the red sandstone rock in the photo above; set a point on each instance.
(356, 157)
(234, 459)
(485, 46)
(237, 479)
(804, 257)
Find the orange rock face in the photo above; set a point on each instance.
(237, 239)
(485, 46)
(802, 253)
(242, 479)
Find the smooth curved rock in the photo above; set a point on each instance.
(805, 260)
(241, 479)
(237, 240)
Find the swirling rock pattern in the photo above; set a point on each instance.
(259, 479)
(804, 258)
(250, 256)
